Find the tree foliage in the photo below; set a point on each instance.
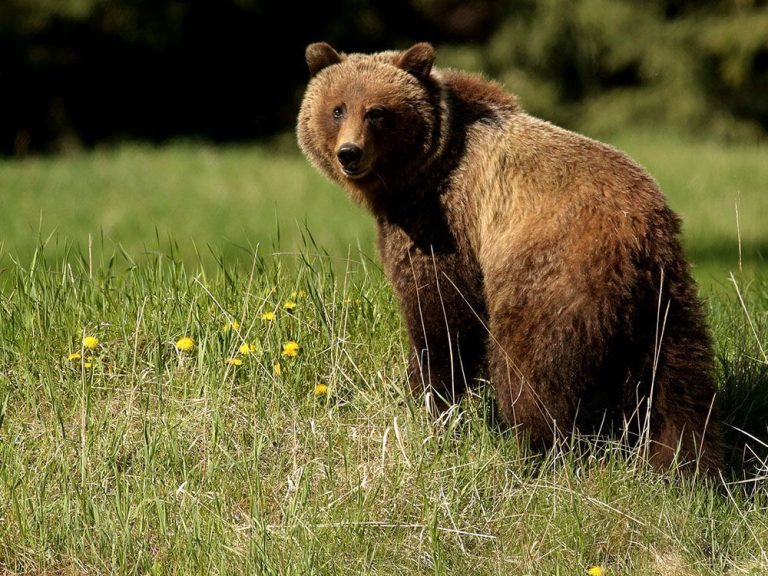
(604, 64)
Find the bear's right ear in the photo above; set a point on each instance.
(320, 55)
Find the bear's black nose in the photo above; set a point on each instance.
(349, 154)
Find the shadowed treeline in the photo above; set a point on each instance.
(85, 71)
(82, 72)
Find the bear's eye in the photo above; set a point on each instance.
(338, 112)
(375, 114)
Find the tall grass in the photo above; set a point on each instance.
(161, 461)
(137, 457)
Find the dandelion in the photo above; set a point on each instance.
(321, 389)
(90, 342)
(185, 344)
(289, 306)
(77, 357)
(291, 349)
(268, 316)
(248, 348)
(298, 294)
(277, 369)
(234, 325)
(234, 361)
(596, 571)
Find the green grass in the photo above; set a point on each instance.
(721, 193)
(232, 198)
(157, 461)
(241, 196)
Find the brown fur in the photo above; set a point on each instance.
(548, 257)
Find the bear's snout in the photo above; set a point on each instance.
(349, 155)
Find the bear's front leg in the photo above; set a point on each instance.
(447, 349)
(444, 318)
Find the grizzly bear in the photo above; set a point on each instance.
(514, 246)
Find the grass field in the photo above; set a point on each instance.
(238, 456)
(239, 197)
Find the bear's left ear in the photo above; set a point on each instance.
(320, 55)
(417, 60)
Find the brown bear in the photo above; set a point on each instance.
(547, 257)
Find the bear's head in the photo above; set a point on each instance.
(370, 122)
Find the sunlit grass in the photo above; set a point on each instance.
(230, 198)
(237, 197)
(170, 408)
(721, 193)
(162, 456)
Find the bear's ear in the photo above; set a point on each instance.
(417, 60)
(320, 55)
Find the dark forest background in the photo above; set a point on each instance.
(78, 73)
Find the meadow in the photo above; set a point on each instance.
(202, 371)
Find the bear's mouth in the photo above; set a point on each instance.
(354, 172)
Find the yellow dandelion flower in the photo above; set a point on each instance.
(248, 348)
(321, 389)
(596, 571)
(277, 369)
(234, 325)
(185, 344)
(289, 306)
(291, 349)
(268, 316)
(298, 294)
(234, 361)
(74, 356)
(90, 342)
(88, 362)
